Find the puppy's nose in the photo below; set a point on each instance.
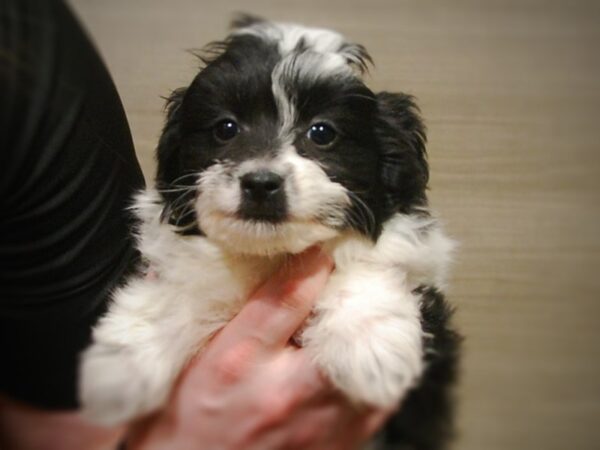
(263, 197)
(261, 185)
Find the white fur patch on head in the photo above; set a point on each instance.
(306, 54)
(307, 66)
(286, 107)
(316, 206)
(290, 36)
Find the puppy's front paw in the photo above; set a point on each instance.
(375, 362)
(112, 388)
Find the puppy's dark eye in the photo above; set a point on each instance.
(226, 130)
(321, 134)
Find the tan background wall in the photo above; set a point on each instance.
(511, 94)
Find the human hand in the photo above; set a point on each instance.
(252, 390)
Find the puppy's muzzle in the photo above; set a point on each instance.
(263, 197)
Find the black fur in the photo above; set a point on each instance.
(404, 169)
(425, 420)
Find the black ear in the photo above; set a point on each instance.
(171, 177)
(174, 184)
(402, 137)
(169, 144)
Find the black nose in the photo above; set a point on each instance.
(263, 197)
(261, 185)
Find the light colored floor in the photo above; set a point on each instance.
(511, 94)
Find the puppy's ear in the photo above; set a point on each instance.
(169, 143)
(402, 137)
(171, 172)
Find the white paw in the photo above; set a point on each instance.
(376, 365)
(113, 389)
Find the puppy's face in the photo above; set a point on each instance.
(277, 144)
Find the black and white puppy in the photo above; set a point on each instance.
(278, 145)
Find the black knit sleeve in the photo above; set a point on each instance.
(67, 173)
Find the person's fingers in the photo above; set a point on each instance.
(277, 309)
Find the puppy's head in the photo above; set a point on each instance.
(278, 144)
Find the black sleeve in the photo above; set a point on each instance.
(67, 173)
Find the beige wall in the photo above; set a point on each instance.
(511, 94)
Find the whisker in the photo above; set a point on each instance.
(178, 189)
(362, 213)
(181, 203)
(183, 177)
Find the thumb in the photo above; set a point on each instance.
(280, 306)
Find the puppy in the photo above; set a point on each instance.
(278, 145)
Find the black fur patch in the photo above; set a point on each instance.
(425, 421)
